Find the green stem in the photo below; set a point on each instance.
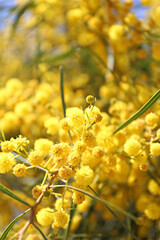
(141, 111)
(73, 209)
(106, 203)
(116, 217)
(44, 179)
(90, 125)
(39, 231)
(62, 90)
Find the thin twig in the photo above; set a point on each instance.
(116, 217)
(39, 230)
(63, 100)
(33, 209)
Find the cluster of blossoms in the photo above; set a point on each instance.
(92, 157)
(114, 56)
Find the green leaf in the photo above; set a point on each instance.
(39, 231)
(106, 203)
(74, 206)
(20, 10)
(60, 57)
(3, 135)
(10, 226)
(62, 91)
(63, 100)
(116, 217)
(12, 195)
(21, 159)
(142, 110)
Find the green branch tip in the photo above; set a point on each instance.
(10, 226)
(141, 111)
(12, 195)
(106, 203)
(62, 91)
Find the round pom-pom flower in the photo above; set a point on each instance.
(65, 172)
(64, 124)
(35, 158)
(151, 120)
(153, 211)
(90, 99)
(52, 125)
(153, 187)
(7, 162)
(60, 219)
(80, 146)
(155, 149)
(132, 147)
(74, 158)
(45, 216)
(19, 170)
(76, 116)
(84, 176)
(43, 145)
(38, 190)
(88, 138)
(60, 150)
(7, 146)
(98, 152)
(78, 197)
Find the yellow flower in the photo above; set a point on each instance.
(64, 124)
(74, 15)
(156, 47)
(7, 161)
(88, 138)
(151, 119)
(76, 116)
(131, 19)
(7, 146)
(146, 2)
(84, 176)
(80, 146)
(142, 202)
(116, 32)
(60, 150)
(74, 158)
(38, 190)
(20, 142)
(153, 187)
(158, 133)
(90, 99)
(152, 211)
(52, 125)
(61, 218)
(35, 158)
(65, 172)
(43, 145)
(78, 197)
(89, 160)
(94, 114)
(23, 108)
(45, 216)
(155, 149)
(66, 204)
(75, 222)
(132, 147)
(19, 170)
(156, 18)
(13, 85)
(98, 152)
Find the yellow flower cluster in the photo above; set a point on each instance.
(107, 52)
